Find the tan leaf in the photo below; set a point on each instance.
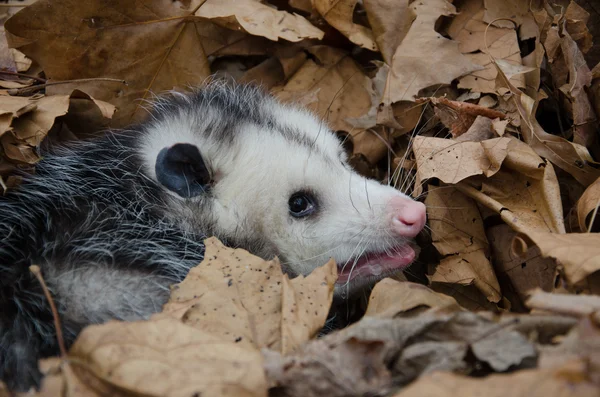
(587, 204)
(390, 21)
(391, 298)
(577, 25)
(572, 305)
(568, 380)
(452, 161)
(416, 62)
(243, 299)
(477, 40)
(153, 46)
(33, 128)
(305, 304)
(12, 107)
(259, 20)
(575, 89)
(339, 14)
(503, 12)
(458, 235)
(459, 116)
(168, 358)
(526, 271)
(480, 130)
(525, 194)
(333, 86)
(578, 253)
(63, 378)
(558, 150)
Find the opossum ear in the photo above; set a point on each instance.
(180, 168)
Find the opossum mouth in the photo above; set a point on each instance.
(375, 264)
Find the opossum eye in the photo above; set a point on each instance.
(181, 169)
(301, 204)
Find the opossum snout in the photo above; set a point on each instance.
(408, 216)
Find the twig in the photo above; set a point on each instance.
(41, 80)
(35, 269)
(32, 89)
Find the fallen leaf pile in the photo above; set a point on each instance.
(486, 110)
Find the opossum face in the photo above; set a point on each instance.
(279, 184)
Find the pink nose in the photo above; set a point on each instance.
(408, 216)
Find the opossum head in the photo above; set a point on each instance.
(271, 178)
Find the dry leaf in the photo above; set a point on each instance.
(477, 40)
(458, 235)
(572, 305)
(365, 354)
(12, 107)
(575, 89)
(502, 13)
(526, 271)
(460, 116)
(391, 298)
(452, 161)
(168, 358)
(390, 21)
(339, 14)
(416, 62)
(587, 204)
(246, 300)
(153, 46)
(480, 130)
(576, 24)
(569, 380)
(559, 151)
(578, 253)
(333, 86)
(259, 20)
(525, 192)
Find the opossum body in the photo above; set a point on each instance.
(113, 222)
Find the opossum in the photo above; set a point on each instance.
(113, 222)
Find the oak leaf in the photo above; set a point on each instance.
(259, 20)
(425, 58)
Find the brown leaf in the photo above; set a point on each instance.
(578, 253)
(509, 10)
(575, 89)
(339, 14)
(559, 151)
(243, 299)
(12, 107)
(459, 116)
(259, 20)
(153, 46)
(416, 62)
(358, 360)
(526, 271)
(64, 378)
(390, 21)
(305, 304)
(569, 380)
(477, 40)
(480, 130)
(525, 192)
(391, 298)
(458, 235)
(576, 23)
(333, 86)
(452, 161)
(572, 305)
(168, 358)
(587, 204)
